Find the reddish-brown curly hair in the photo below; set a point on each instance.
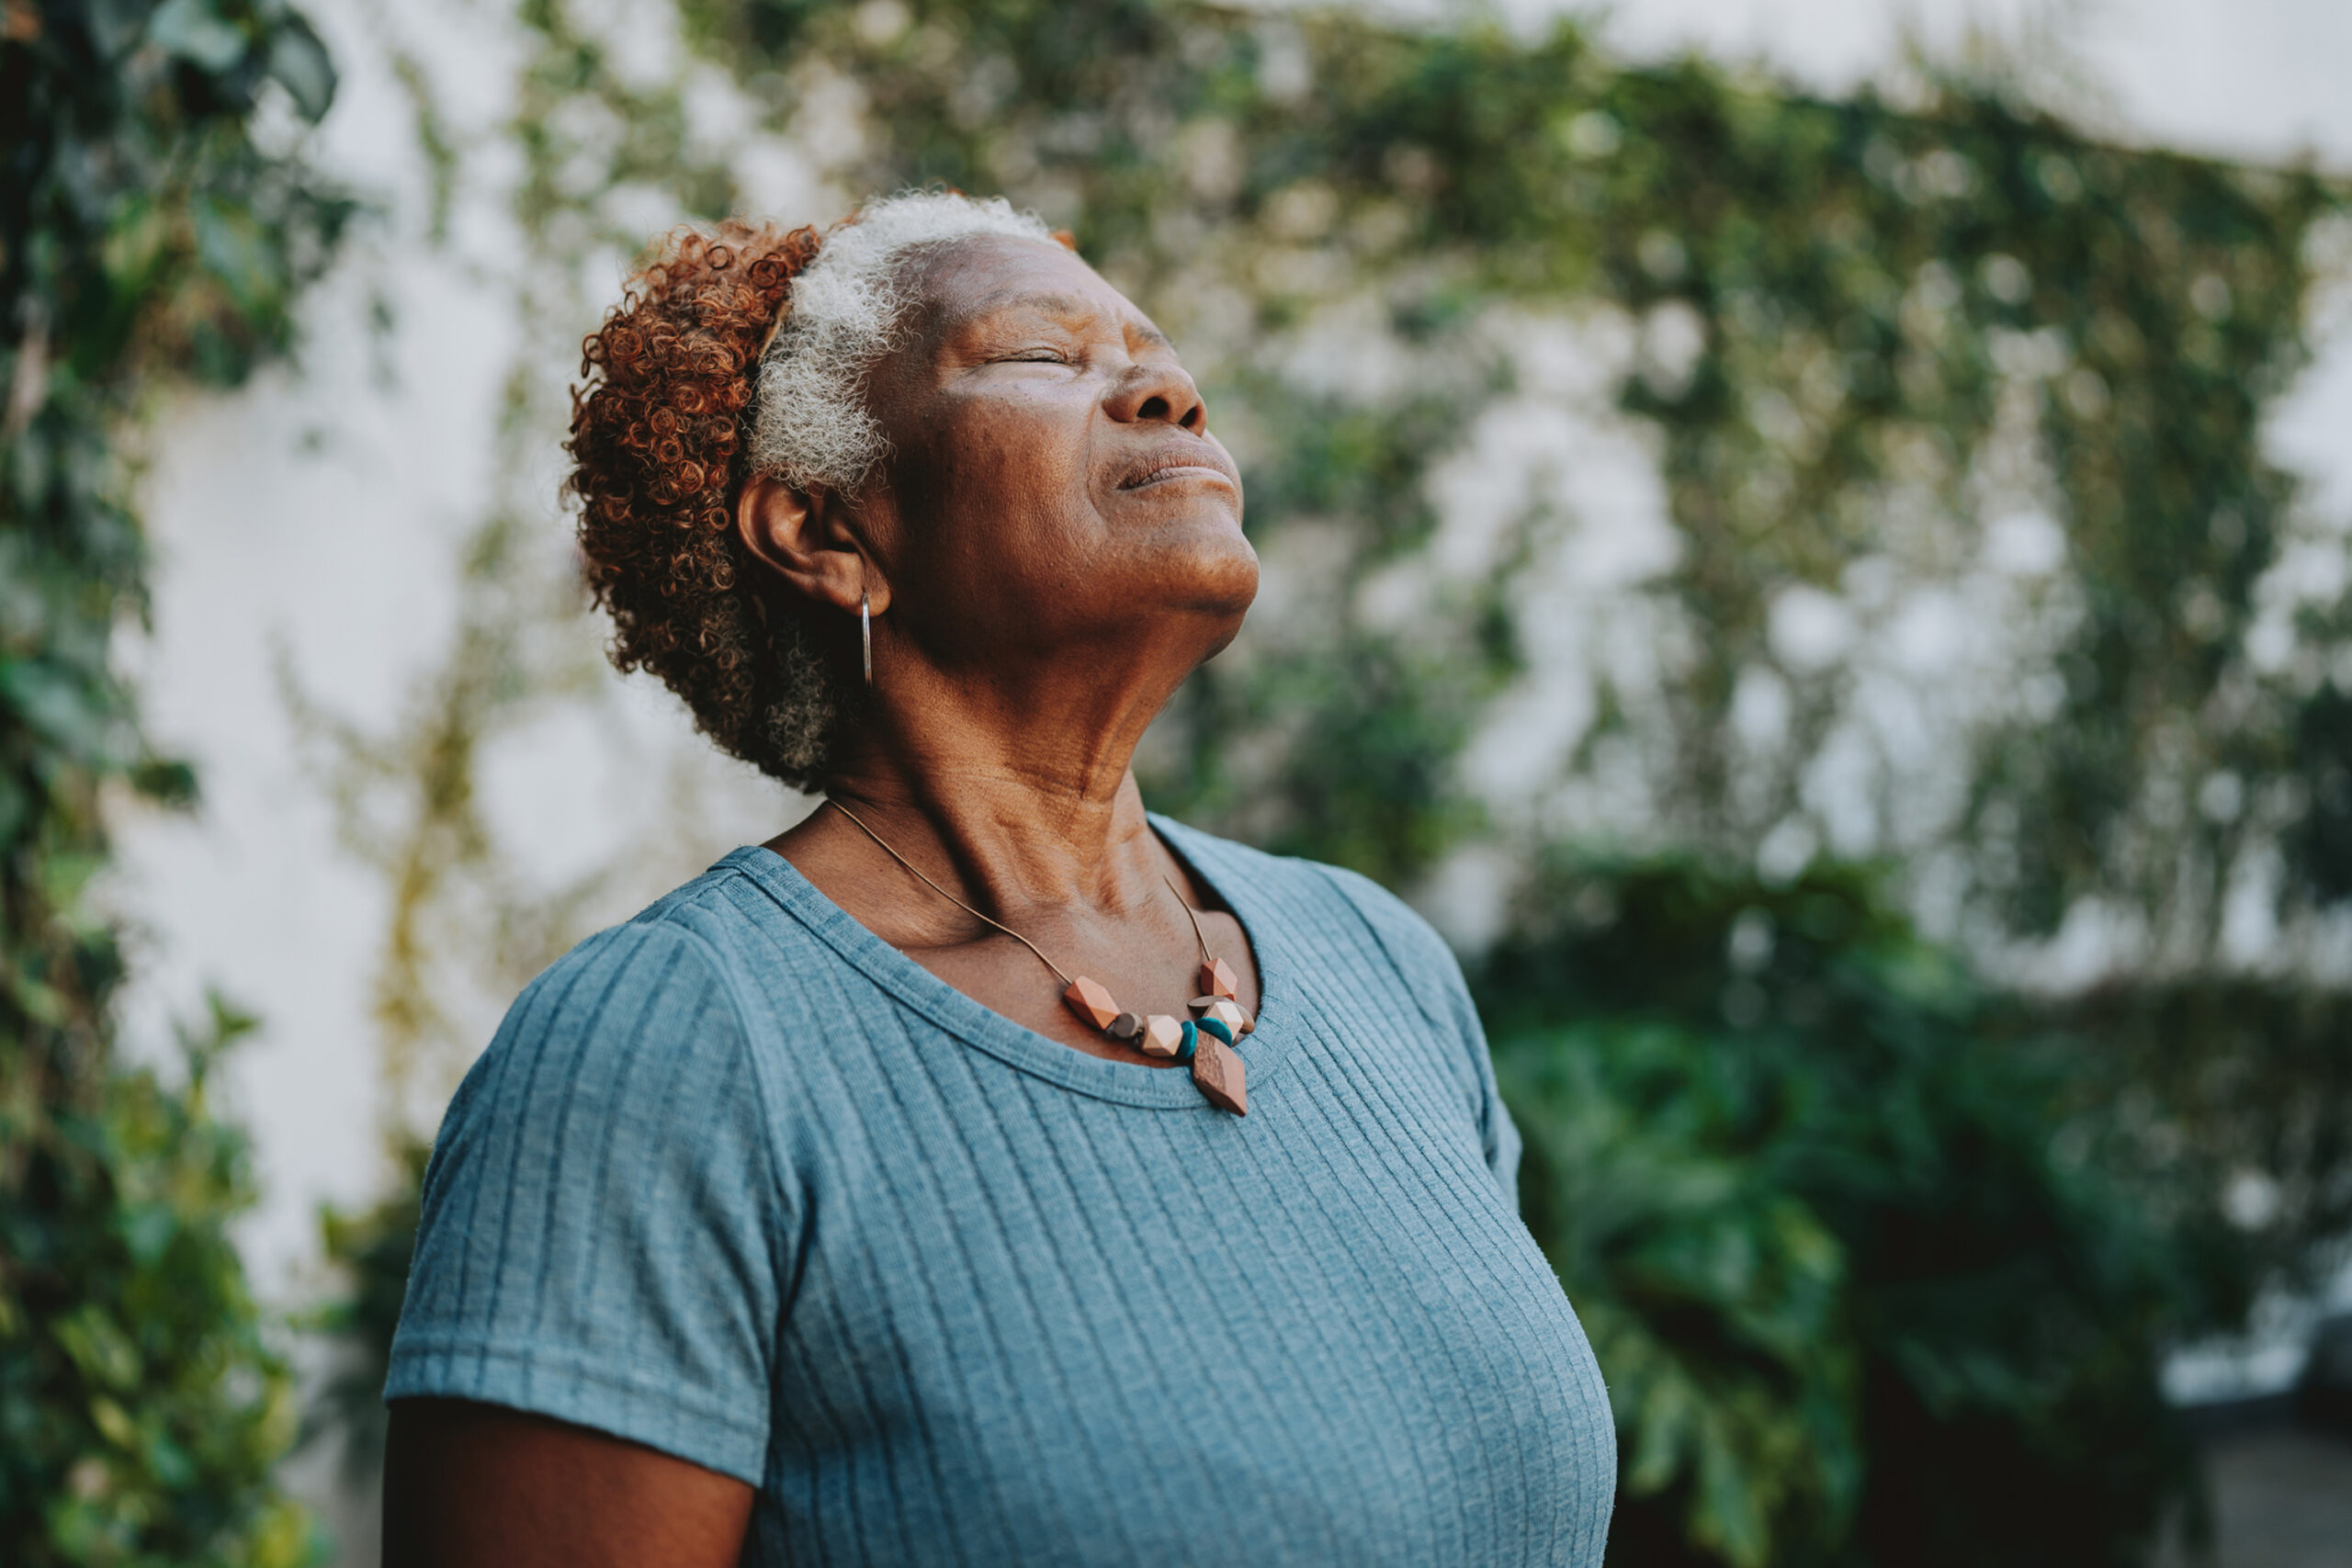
(659, 446)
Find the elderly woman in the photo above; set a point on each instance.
(984, 1170)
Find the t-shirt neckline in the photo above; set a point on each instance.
(1262, 1051)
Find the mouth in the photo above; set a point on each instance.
(1175, 463)
(1166, 472)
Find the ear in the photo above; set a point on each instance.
(804, 536)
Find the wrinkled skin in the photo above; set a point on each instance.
(1053, 544)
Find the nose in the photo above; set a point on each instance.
(1160, 393)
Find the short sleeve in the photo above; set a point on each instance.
(603, 1218)
(1435, 975)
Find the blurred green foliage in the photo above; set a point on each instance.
(141, 1408)
(1853, 1254)
(146, 236)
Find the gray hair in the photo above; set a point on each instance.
(842, 317)
(811, 426)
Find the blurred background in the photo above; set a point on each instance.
(1809, 537)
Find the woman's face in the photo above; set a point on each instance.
(1052, 483)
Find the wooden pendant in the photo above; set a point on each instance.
(1162, 1035)
(1224, 1011)
(1217, 980)
(1220, 1075)
(1091, 1003)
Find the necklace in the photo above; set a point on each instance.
(1206, 1044)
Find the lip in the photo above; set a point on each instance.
(1164, 473)
(1174, 459)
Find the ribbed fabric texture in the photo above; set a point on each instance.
(740, 1181)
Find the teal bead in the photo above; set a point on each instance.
(1216, 1026)
(1190, 1043)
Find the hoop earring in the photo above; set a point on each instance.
(865, 633)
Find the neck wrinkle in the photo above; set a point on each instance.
(1015, 815)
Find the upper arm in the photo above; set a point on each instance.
(470, 1485)
(604, 1218)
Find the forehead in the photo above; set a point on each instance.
(966, 283)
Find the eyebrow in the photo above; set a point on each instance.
(1060, 305)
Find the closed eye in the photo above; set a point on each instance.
(1036, 356)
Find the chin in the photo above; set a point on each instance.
(1209, 567)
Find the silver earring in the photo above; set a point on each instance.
(865, 633)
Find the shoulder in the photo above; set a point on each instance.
(1358, 932)
(1344, 903)
(1325, 896)
(708, 939)
(669, 951)
(657, 999)
(608, 1157)
(1409, 941)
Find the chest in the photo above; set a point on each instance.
(1048, 1327)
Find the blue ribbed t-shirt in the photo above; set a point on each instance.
(742, 1182)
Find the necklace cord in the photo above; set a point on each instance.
(936, 888)
(1197, 934)
(1190, 915)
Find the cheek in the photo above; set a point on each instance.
(1006, 475)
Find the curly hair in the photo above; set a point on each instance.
(737, 352)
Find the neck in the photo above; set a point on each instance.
(1015, 797)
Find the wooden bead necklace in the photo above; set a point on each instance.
(1206, 1044)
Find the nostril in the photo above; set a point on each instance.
(1154, 408)
(1193, 419)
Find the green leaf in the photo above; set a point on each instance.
(114, 1422)
(166, 781)
(147, 1230)
(300, 64)
(54, 701)
(235, 249)
(98, 1348)
(197, 33)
